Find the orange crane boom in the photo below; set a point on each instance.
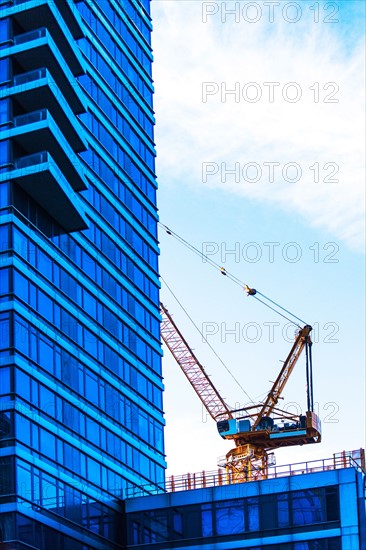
(271, 401)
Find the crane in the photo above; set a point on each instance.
(256, 429)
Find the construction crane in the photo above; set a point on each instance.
(257, 429)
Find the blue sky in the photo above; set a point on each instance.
(320, 221)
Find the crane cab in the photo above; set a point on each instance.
(231, 427)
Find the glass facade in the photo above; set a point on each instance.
(80, 374)
(272, 514)
(323, 510)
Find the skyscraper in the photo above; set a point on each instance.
(80, 377)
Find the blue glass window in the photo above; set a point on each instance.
(253, 514)
(229, 517)
(307, 507)
(5, 381)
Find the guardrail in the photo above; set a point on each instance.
(186, 482)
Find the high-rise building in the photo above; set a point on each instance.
(80, 378)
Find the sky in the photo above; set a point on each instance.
(260, 140)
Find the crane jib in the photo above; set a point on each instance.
(192, 368)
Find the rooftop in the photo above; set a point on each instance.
(217, 478)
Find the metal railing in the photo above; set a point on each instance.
(218, 478)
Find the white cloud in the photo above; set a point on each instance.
(190, 132)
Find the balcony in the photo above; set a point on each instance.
(36, 90)
(36, 131)
(37, 49)
(62, 38)
(40, 177)
(29, 13)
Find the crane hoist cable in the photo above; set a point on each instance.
(206, 341)
(250, 291)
